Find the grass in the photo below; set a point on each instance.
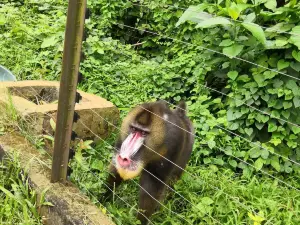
(217, 194)
(17, 200)
(228, 197)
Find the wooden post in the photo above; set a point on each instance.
(68, 87)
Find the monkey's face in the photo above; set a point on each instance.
(142, 133)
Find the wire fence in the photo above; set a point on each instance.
(235, 199)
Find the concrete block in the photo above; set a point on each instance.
(36, 102)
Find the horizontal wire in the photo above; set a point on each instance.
(214, 187)
(200, 137)
(233, 155)
(97, 201)
(139, 184)
(208, 49)
(233, 20)
(143, 168)
(168, 186)
(113, 190)
(89, 170)
(262, 171)
(234, 198)
(242, 102)
(258, 145)
(212, 89)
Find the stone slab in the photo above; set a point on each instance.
(36, 102)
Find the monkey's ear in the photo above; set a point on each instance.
(162, 102)
(181, 109)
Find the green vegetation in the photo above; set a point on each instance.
(16, 198)
(129, 66)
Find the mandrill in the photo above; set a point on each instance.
(153, 138)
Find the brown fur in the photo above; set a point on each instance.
(164, 141)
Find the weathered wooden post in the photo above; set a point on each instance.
(68, 87)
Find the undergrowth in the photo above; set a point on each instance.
(31, 42)
(17, 200)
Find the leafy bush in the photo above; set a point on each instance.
(146, 66)
(164, 68)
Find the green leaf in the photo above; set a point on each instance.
(213, 22)
(272, 127)
(295, 129)
(233, 50)
(232, 75)
(259, 125)
(52, 124)
(206, 160)
(207, 201)
(259, 163)
(230, 115)
(291, 84)
(211, 144)
(248, 131)
(283, 27)
(265, 153)
(294, 39)
(275, 163)
(226, 42)
(271, 4)
(281, 64)
(254, 152)
(256, 31)
(233, 126)
(295, 66)
(250, 17)
(286, 114)
(281, 42)
(259, 79)
(48, 42)
(287, 105)
(244, 78)
(296, 55)
(2, 20)
(275, 141)
(194, 14)
(296, 101)
(233, 163)
(265, 97)
(234, 11)
(269, 74)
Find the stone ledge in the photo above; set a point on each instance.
(36, 102)
(71, 207)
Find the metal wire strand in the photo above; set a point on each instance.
(236, 199)
(241, 102)
(89, 170)
(208, 49)
(143, 168)
(215, 15)
(140, 185)
(168, 186)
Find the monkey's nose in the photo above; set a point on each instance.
(124, 161)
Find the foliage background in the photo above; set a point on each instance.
(128, 66)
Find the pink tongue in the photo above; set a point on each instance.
(131, 144)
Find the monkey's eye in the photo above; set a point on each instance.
(133, 129)
(144, 133)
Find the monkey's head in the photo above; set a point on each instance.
(143, 131)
